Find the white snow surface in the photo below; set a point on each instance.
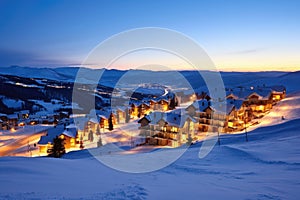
(265, 167)
(13, 103)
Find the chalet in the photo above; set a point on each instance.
(68, 134)
(176, 128)
(149, 123)
(236, 120)
(1, 124)
(144, 108)
(121, 113)
(135, 109)
(46, 141)
(203, 95)
(171, 128)
(198, 107)
(139, 109)
(224, 116)
(163, 104)
(82, 133)
(3, 121)
(257, 99)
(70, 137)
(186, 96)
(260, 101)
(153, 104)
(201, 110)
(3, 117)
(23, 114)
(278, 92)
(103, 117)
(144, 121)
(12, 120)
(93, 124)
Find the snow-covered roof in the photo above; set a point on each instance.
(94, 120)
(23, 112)
(12, 116)
(156, 116)
(135, 103)
(51, 134)
(200, 105)
(242, 93)
(103, 114)
(264, 93)
(222, 107)
(147, 117)
(177, 118)
(70, 132)
(122, 108)
(236, 102)
(278, 88)
(3, 115)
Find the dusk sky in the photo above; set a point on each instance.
(242, 35)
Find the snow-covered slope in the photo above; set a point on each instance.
(30, 72)
(266, 167)
(168, 78)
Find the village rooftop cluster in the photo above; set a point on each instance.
(163, 120)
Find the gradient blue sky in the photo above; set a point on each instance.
(244, 35)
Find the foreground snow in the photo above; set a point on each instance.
(266, 167)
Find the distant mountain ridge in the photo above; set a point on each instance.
(111, 76)
(69, 73)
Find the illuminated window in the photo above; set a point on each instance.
(72, 141)
(261, 107)
(174, 129)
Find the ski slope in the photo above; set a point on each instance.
(266, 167)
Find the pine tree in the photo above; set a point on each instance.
(58, 148)
(110, 123)
(91, 136)
(189, 140)
(99, 143)
(173, 103)
(127, 116)
(98, 130)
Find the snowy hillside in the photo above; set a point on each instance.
(266, 167)
(168, 78)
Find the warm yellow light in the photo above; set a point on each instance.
(174, 129)
(72, 141)
(261, 107)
